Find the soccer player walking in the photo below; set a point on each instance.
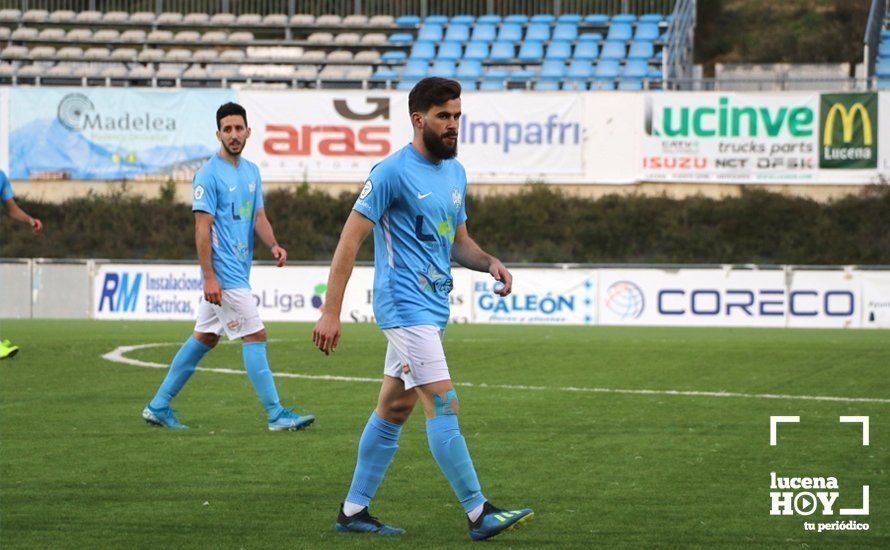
(414, 202)
(228, 206)
(7, 350)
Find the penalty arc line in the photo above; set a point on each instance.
(118, 355)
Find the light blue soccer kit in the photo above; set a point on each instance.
(233, 195)
(416, 207)
(5, 188)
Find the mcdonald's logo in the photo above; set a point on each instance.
(848, 119)
(848, 131)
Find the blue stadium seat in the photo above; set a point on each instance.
(538, 31)
(641, 50)
(647, 31)
(624, 18)
(415, 70)
(407, 21)
(531, 51)
(516, 18)
(565, 31)
(654, 73)
(632, 84)
(620, 31)
(545, 18)
(603, 84)
(606, 68)
(496, 74)
(457, 33)
(522, 75)
(884, 49)
(491, 85)
(882, 68)
(553, 70)
(463, 19)
(885, 34)
(574, 84)
(502, 51)
(559, 50)
(572, 18)
(406, 84)
(450, 51)
(547, 85)
(590, 37)
(469, 70)
(468, 84)
(476, 51)
(423, 50)
(596, 19)
(401, 38)
(442, 69)
(651, 18)
(385, 73)
(635, 68)
(484, 32)
(587, 51)
(430, 33)
(510, 32)
(883, 84)
(489, 19)
(612, 50)
(393, 57)
(579, 70)
(435, 20)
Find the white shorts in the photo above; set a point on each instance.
(419, 347)
(238, 316)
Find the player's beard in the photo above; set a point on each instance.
(435, 144)
(231, 152)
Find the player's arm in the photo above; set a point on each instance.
(203, 225)
(16, 213)
(467, 253)
(327, 331)
(264, 231)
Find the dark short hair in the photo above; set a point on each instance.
(432, 91)
(230, 109)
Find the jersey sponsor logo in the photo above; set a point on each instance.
(421, 197)
(444, 228)
(434, 282)
(366, 190)
(199, 192)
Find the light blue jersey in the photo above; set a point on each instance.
(416, 207)
(5, 188)
(233, 196)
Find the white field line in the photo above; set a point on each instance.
(118, 355)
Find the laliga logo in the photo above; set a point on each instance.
(805, 496)
(334, 140)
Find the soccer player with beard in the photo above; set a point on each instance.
(228, 206)
(414, 202)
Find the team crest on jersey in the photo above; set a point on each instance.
(366, 190)
(252, 186)
(455, 197)
(199, 192)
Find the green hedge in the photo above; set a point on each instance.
(538, 224)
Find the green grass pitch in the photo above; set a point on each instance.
(79, 468)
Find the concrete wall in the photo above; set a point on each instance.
(45, 289)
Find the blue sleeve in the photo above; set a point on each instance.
(258, 198)
(378, 194)
(462, 211)
(204, 193)
(5, 188)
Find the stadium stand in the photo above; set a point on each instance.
(489, 51)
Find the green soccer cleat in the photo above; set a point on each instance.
(7, 350)
(495, 521)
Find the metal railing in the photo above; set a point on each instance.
(347, 7)
(677, 58)
(873, 35)
(772, 84)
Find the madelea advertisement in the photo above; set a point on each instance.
(740, 297)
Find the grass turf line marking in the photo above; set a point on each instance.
(118, 355)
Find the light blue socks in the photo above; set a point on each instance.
(181, 369)
(257, 367)
(449, 448)
(376, 448)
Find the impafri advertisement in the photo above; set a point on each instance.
(111, 134)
